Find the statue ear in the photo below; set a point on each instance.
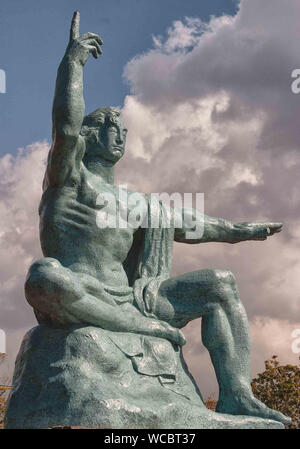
(90, 134)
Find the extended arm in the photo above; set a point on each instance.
(195, 227)
(68, 107)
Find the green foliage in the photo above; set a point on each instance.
(3, 396)
(2, 407)
(279, 388)
(211, 404)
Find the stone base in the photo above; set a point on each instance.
(79, 377)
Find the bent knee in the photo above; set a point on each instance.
(226, 288)
(225, 276)
(47, 284)
(39, 274)
(41, 266)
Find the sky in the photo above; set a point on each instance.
(205, 92)
(33, 40)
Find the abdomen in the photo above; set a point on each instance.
(69, 233)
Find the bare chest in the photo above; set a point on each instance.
(115, 207)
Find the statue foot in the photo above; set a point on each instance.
(245, 403)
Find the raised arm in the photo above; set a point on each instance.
(67, 147)
(199, 228)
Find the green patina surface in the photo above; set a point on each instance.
(108, 348)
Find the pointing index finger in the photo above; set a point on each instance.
(74, 31)
(275, 227)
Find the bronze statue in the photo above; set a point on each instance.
(104, 296)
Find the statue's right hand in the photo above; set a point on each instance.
(179, 337)
(80, 47)
(172, 333)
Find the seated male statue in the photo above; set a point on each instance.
(82, 280)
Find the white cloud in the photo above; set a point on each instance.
(272, 337)
(20, 191)
(210, 110)
(228, 127)
(268, 337)
(181, 35)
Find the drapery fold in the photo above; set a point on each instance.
(148, 265)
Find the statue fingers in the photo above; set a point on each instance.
(182, 340)
(275, 227)
(259, 238)
(74, 31)
(92, 36)
(93, 49)
(178, 337)
(94, 53)
(95, 44)
(260, 232)
(92, 44)
(272, 228)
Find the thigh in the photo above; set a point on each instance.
(50, 285)
(189, 296)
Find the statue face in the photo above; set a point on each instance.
(107, 142)
(113, 138)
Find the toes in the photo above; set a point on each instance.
(281, 417)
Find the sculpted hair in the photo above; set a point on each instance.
(99, 118)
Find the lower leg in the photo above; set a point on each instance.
(226, 336)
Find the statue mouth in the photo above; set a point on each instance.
(118, 149)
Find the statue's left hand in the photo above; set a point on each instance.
(254, 231)
(80, 46)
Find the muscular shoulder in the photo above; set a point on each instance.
(64, 161)
(55, 195)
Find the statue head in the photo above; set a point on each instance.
(104, 134)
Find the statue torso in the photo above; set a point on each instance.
(70, 228)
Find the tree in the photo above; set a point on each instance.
(2, 407)
(3, 395)
(210, 403)
(279, 388)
